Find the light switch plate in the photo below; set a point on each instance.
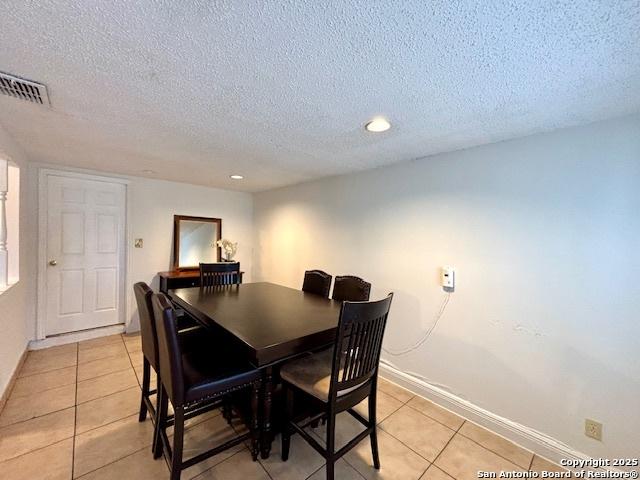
(593, 429)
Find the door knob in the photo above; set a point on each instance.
(53, 263)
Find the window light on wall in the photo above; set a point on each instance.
(9, 224)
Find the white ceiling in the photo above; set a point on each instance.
(279, 90)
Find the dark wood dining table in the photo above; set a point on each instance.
(270, 323)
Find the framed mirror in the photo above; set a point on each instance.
(194, 241)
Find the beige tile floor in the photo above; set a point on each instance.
(73, 414)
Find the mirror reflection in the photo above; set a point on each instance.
(196, 241)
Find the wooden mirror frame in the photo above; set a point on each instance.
(176, 238)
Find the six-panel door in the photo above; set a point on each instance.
(85, 241)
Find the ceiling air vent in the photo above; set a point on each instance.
(23, 89)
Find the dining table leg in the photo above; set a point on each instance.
(267, 421)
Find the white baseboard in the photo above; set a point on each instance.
(522, 435)
(76, 337)
(12, 380)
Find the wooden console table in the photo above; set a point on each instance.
(181, 279)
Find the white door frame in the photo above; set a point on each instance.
(43, 175)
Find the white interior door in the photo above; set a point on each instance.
(85, 261)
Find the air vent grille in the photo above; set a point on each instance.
(23, 89)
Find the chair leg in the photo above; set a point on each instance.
(161, 421)
(330, 469)
(146, 379)
(178, 438)
(226, 410)
(255, 420)
(374, 432)
(286, 418)
(157, 442)
(331, 440)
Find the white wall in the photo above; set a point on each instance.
(544, 326)
(152, 206)
(17, 304)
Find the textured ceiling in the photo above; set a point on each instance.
(279, 90)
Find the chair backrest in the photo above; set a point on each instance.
(169, 352)
(356, 353)
(221, 273)
(143, 295)
(318, 282)
(351, 289)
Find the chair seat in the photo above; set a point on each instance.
(312, 374)
(208, 374)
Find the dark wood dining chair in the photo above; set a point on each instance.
(339, 378)
(348, 288)
(221, 273)
(187, 379)
(149, 340)
(317, 282)
(191, 338)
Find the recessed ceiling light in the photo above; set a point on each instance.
(148, 172)
(236, 177)
(377, 125)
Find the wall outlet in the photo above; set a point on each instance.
(448, 278)
(593, 429)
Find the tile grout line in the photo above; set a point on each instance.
(378, 426)
(110, 394)
(458, 430)
(115, 461)
(258, 460)
(100, 359)
(435, 419)
(261, 465)
(465, 420)
(36, 450)
(419, 454)
(383, 419)
(445, 447)
(124, 389)
(45, 389)
(77, 364)
(24, 398)
(495, 453)
(433, 465)
(99, 398)
(131, 361)
(75, 403)
(97, 338)
(106, 424)
(75, 427)
(146, 446)
(440, 453)
(225, 460)
(41, 416)
(75, 417)
(47, 371)
(393, 396)
(103, 374)
(316, 471)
